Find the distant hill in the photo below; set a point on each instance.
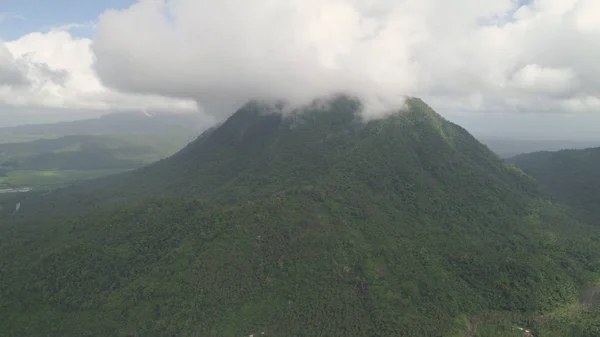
(85, 152)
(507, 147)
(116, 123)
(313, 223)
(572, 177)
(52, 154)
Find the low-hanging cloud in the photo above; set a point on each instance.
(233, 51)
(496, 54)
(11, 74)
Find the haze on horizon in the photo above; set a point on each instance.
(501, 67)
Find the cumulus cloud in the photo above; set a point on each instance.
(465, 54)
(11, 74)
(459, 56)
(539, 79)
(53, 70)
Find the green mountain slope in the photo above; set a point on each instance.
(315, 224)
(572, 177)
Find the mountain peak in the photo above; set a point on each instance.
(333, 110)
(313, 144)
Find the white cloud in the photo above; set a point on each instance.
(470, 54)
(540, 79)
(54, 70)
(586, 18)
(462, 55)
(583, 104)
(11, 72)
(69, 27)
(555, 7)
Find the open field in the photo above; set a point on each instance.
(50, 179)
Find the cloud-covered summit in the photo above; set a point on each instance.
(480, 55)
(465, 55)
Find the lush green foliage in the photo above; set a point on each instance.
(315, 224)
(572, 177)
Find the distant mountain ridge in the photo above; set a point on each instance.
(134, 123)
(572, 177)
(99, 146)
(510, 147)
(92, 152)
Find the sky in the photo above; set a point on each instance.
(20, 17)
(519, 68)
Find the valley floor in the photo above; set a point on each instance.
(49, 179)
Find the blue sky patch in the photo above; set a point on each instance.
(21, 17)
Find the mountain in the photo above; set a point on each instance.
(50, 155)
(572, 177)
(87, 152)
(509, 147)
(314, 223)
(47, 163)
(114, 123)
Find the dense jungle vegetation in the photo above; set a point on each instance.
(307, 224)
